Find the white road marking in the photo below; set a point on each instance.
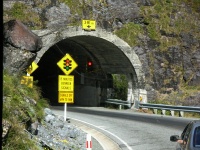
(107, 132)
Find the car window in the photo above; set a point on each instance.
(196, 141)
(187, 134)
(184, 131)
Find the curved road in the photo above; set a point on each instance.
(131, 130)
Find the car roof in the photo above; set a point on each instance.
(196, 122)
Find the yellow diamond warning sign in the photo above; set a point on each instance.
(66, 83)
(32, 68)
(65, 97)
(67, 64)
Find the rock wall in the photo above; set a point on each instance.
(164, 34)
(20, 45)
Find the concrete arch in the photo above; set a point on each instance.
(52, 36)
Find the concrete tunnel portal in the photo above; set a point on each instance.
(91, 83)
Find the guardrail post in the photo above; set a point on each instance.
(181, 114)
(120, 107)
(155, 111)
(163, 112)
(136, 104)
(172, 112)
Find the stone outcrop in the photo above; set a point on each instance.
(56, 134)
(19, 36)
(6, 125)
(20, 46)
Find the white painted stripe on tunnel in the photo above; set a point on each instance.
(129, 148)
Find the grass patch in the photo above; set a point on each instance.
(130, 33)
(25, 14)
(166, 12)
(20, 105)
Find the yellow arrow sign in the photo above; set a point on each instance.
(32, 68)
(88, 24)
(67, 64)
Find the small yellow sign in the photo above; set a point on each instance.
(27, 80)
(65, 97)
(32, 68)
(88, 24)
(66, 83)
(67, 64)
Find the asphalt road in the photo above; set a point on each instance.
(131, 130)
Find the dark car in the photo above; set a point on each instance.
(190, 137)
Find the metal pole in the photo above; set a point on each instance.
(65, 112)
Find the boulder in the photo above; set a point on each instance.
(16, 60)
(6, 126)
(19, 47)
(19, 36)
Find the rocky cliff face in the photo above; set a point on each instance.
(20, 46)
(164, 34)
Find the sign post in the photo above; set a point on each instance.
(28, 80)
(66, 82)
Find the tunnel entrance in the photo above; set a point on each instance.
(99, 54)
(91, 80)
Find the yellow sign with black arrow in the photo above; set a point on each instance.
(88, 24)
(32, 68)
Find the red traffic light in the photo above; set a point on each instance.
(89, 63)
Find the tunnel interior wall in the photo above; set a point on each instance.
(87, 95)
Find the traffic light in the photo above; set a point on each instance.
(67, 64)
(89, 65)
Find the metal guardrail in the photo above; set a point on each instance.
(119, 102)
(155, 107)
(171, 108)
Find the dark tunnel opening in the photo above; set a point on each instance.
(89, 80)
(92, 83)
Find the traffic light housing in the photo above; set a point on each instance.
(67, 64)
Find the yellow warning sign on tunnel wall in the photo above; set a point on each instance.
(88, 24)
(66, 83)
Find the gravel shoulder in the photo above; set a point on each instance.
(99, 140)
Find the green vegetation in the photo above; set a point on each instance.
(78, 8)
(120, 86)
(17, 111)
(178, 97)
(164, 16)
(130, 32)
(25, 14)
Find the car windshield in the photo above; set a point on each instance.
(197, 137)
